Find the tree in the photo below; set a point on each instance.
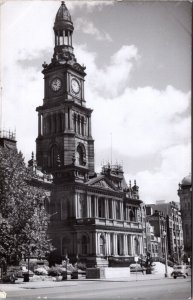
(24, 221)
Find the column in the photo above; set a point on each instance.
(121, 211)
(96, 206)
(66, 120)
(89, 126)
(106, 209)
(88, 206)
(113, 209)
(132, 245)
(125, 250)
(115, 243)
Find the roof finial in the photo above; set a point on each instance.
(63, 3)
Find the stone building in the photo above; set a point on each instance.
(157, 219)
(173, 227)
(94, 216)
(185, 194)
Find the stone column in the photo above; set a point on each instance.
(88, 206)
(125, 250)
(115, 243)
(96, 206)
(106, 209)
(121, 211)
(132, 245)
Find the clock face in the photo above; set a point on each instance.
(75, 86)
(56, 84)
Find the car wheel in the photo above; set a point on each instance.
(174, 277)
(184, 276)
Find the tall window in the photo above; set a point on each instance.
(82, 206)
(131, 215)
(120, 244)
(118, 212)
(92, 206)
(102, 245)
(101, 208)
(136, 245)
(110, 209)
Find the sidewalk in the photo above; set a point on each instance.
(19, 284)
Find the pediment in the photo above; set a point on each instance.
(103, 183)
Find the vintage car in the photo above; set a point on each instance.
(181, 271)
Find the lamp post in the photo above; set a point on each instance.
(166, 254)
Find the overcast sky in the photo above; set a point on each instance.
(138, 63)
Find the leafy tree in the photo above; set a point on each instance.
(23, 221)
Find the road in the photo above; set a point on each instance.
(163, 289)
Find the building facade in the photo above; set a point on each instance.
(93, 216)
(185, 195)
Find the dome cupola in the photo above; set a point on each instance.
(63, 19)
(187, 181)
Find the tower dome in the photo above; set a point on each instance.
(187, 180)
(63, 19)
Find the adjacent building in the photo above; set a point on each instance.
(173, 226)
(185, 195)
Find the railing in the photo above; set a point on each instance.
(109, 222)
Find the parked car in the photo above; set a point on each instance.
(180, 271)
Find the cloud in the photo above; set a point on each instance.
(88, 5)
(89, 28)
(112, 78)
(162, 184)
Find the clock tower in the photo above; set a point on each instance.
(64, 144)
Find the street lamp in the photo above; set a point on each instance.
(166, 254)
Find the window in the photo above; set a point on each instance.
(131, 215)
(101, 207)
(92, 206)
(81, 155)
(118, 212)
(102, 245)
(110, 209)
(136, 245)
(120, 244)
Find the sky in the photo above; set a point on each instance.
(138, 64)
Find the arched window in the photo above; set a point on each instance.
(102, 245)
(84, 245)
(131, 215)
(81, 155)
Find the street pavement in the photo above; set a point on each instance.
(135, 287)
